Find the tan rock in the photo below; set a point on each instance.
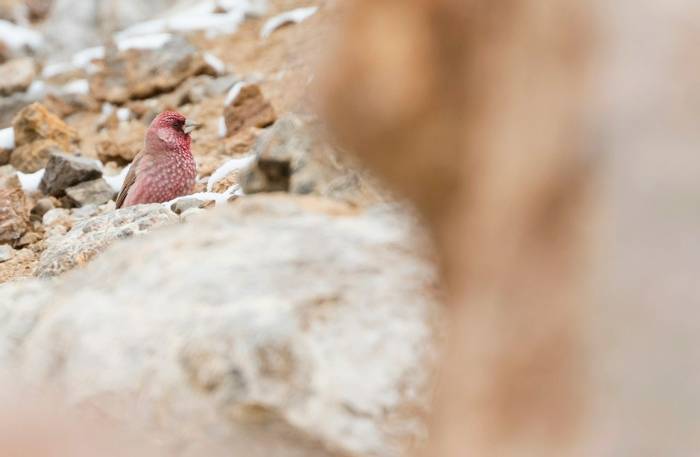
(248, 109)
(35, 122)
(14, 215)
(122, 143)
(34, 156)
(4, 156)
(17, 75)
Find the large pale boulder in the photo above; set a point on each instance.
(271, 324)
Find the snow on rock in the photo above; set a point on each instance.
(123, 114)
(7, 138)
(214, 62)
(82, 59)
(79, 87)
(290, 17)
(223, 130)
(233, 92)
(37, 88)
(116, 181)
(213, 24)
(18, 38)
(240, 164)
(56, 68)
(150, 41)
(30, 181)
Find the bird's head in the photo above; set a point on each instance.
(170, 131)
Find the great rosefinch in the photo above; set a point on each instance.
(165, 168)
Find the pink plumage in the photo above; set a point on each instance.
(165, 168)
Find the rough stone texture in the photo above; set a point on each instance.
(206, 325)
(122, 143)
(96, 192)
(16, 75)
(248, 109)
(35, 122)
(34, 156)
(293, 157)
(37, 133)
(138, 74)
(64, 171)
(14, 215)
(184, 204)
(6, 253)
(92, 235)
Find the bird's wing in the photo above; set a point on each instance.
(129, 180)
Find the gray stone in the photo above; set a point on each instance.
(183, 204)
(294, 157)
(96, 192)
(289, 314)
(92, 235)
(6, 253)
(42, 206)
(64, 171)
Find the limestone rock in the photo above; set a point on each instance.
(37, 134)
(294, 157)
(14, 215)
(248, 109)
(204, 326)
(35, 122)
(138, 74)
(64, 171)
(96, 192)
(33, 156)
(183, 204)
(121, 144)
(16, 75)
(91, 236)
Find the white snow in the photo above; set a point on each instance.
(216, 197)
(223, 130)
(150, 41)
(233, 92)
(57, 68)
(82, 59)
(290, 17)
(17, 38)
(7, 138)
(215, 63)
(37, 88)
(79, 86)
(213, 24)
(30, 181)
(116, 181)
(238, 164)
(123, 114)
(107, 109)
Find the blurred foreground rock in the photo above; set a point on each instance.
(203, 329)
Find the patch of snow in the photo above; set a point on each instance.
(123, 114)
(219, 198)
(290, 17)
(82, 59)
(213, 24)
(117, 181)
(79, 86)
(30, 181)
(55, 69)
(107, 109)
(37, 88)
(18, 38)
(151, 41)
(214, 62)
(238, 164)
(223, 130)
(233, 92)
(7, 138)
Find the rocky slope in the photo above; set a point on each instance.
(299, 317)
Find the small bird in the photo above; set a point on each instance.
(165, 168)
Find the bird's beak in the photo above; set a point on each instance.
(190, 126)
